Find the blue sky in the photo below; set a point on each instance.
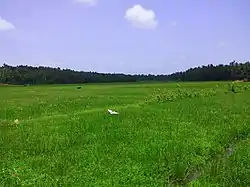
(129, 36)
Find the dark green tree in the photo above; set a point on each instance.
(46, 75)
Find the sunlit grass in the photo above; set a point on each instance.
(59, 135)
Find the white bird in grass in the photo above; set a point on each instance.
(112, 112)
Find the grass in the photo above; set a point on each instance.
(164, 133)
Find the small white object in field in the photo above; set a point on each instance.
(112, 112)
(16, 121)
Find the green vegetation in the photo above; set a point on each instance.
(27, 75)
(233, 171)
(166, 134)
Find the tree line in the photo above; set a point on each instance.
(232, 71)
(46, 75)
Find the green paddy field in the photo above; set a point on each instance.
(166, 134)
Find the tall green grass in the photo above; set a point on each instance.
(163, 134)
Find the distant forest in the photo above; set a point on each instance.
(46, 75)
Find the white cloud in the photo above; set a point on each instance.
(141, 17)
(87, 2)
(5, 25)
